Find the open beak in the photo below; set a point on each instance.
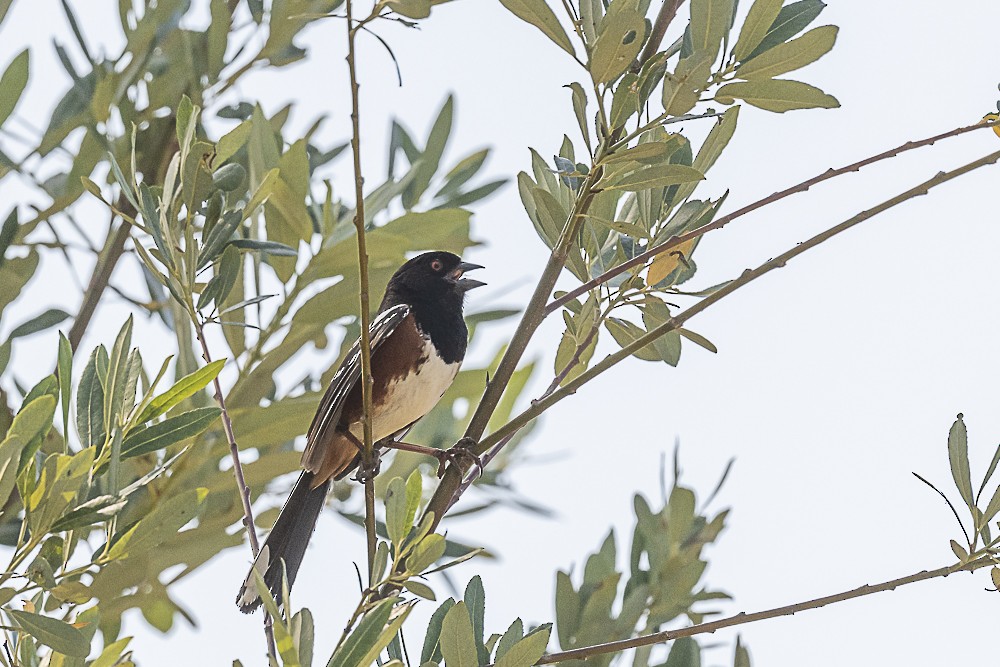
(465, 284)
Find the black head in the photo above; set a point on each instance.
(431, 278)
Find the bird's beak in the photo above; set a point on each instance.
(465, 284)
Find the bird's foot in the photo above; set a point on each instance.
(461, 450)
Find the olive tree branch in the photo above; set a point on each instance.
(743, 617)
(241, 483)
(369, 456)
(542, 404)
(668, 10)
(675, 241)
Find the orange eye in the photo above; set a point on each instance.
(436, 265)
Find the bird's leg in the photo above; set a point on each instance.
(365, 472)
(444, 456)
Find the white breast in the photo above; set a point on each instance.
(411, 397)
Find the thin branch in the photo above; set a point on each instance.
(369, 454)
(743, 618)
(663, 19)
(241, 483)
(541, 405)
(675, 241)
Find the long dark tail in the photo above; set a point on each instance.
(287, 541)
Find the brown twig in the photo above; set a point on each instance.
(675, 241)
(663, 20)
(368, 462)
(241, 483)
(540, 405)
(743, 618)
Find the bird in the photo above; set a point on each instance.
(418, 340)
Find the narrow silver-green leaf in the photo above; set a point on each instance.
(65, 367)
(710, 20)
(513, 635)
(526, 652)
(538, 14)
(777, 95)
(657, 176)
(12, 83)
(90, 405)
(790, 21)
(431, 650)
(458, 645)
(958, 457)
(169, 432)
(364, 636)
(759, 19)
(395, 511)
(187, 386)
(160, 524)
(623, 32)
(790, 56)
(31, 422)
(114, 388)
(57, 635)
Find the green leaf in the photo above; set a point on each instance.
(57, 635)
(790, 56)
(232, 141)
(711, 149)
(187, 386)
(538, 14)
(790, 21)
(431, 650)
(8, 231)
(741, 657)
(114, 387)
(159, 525)
(65, 368)
(684, 653)
(657, 176)
(426, 553)
(527, 651)
(168, 432)
(710, 21)
(229, 177)
(270, 247)
(777, 95)
(12, 84)
(185, 115)
(475, 601)
(395, 511)
(698, 339)
(31, 423)
(95, 510)
(568, 605)
(364, 637)
(420, 589)
(90, 405)
(623, 32)
(414, 494)
(112, 653)
(458, 644)
(958, 457)
(304, 632)
(758, 21)
(513, 635)
(46, 320)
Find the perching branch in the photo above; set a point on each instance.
(368, 459)
(743, 618)
(675, 241)
(668, 10)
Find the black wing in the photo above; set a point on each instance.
(332, 405)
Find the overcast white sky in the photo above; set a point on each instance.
(836, 376)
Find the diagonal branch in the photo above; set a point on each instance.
(743, 618)
(675, 241)
(541, 405)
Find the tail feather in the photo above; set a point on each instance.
(287, 541)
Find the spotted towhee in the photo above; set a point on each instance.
(418, 341)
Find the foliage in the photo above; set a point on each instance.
(237, 228)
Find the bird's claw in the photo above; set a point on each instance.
(460, 450)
